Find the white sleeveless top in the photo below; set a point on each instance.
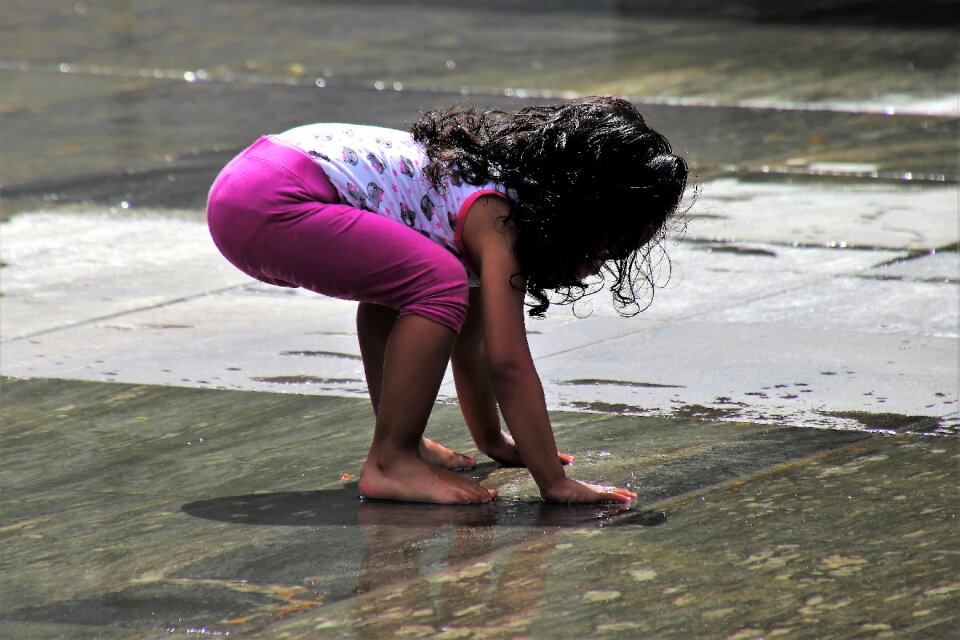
(381, 171)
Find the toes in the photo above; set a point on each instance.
(466, 462)
(479, 495)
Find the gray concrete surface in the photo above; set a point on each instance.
(174, 434)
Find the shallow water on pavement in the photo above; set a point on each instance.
(177, 509)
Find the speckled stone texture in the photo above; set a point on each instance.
(157, 510)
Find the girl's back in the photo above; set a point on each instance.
(381, 170)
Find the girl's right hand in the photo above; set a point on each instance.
(570, 491)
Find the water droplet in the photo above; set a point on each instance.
(378, 85)
(64, 67)
(398, 86)
(124, 205)
(320, 82)
(189, 76)
(451, 65)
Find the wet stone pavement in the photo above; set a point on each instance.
(175, 510)
(179, 444)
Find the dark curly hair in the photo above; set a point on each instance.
(592, 183)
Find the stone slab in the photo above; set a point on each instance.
(96, 148)
(767, 315)
(252, 532)
(244, 339)
(853, 215)
(896, 307)
(669, 50)
(938, 267)
(766, 372)
(148, 129)
(66, 268)
(791, 553)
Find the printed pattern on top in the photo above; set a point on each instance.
(382, 171)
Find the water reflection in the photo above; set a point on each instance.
(477, 594)
(437, 558)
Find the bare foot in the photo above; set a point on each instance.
(440, 456)
(413, 479)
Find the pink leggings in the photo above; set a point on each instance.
(274, 214)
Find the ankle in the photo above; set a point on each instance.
(493, 441)
(384, 455)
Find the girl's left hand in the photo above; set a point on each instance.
(505, 452)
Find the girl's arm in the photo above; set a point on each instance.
(477, 401)
(475, 394)
(513, 377)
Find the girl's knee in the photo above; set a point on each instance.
(445, 298)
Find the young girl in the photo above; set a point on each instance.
(440, 236)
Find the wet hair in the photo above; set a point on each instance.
(591, 180)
